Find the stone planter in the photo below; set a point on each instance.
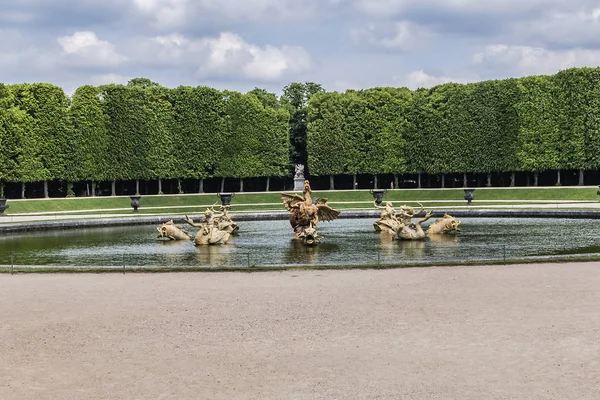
(469, 195)
(225, 198)
(378, 195)
(3, 206)
(135, 202)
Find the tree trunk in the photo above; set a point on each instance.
(395, 181)
(46, 195)
(489, 180)
(535, 178)
(580, 177)
(23, 190)
(443, 181)
(93, 189)
(464, 179)
(241, 185)
(160, 186)
(558, 178)
(137, 187)
(512, 179)
(87, 189)
(331, 183)
(222, 185)
(201, 186)
(419, 180)
(268, 183)
(1, 189)
(375, 182)
(113, 188)
(354, 183)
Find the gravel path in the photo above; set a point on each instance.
(494, 332)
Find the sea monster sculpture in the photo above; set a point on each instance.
(223, 220)
(305, 213)
(209, 232)
(400, 224)
(172, 232)
(446, 224)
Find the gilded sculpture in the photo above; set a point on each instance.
(399, 223)
(215, 228)
(306, 212)
(172, 232)
(445, 225)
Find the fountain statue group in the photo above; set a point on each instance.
(215, 228)
(400, 226)
(305, 213)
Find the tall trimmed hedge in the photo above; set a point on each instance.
(145, 131)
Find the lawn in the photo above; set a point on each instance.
(272, 200)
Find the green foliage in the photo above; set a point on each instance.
(539, 136)
(295, 99)
(145, 131)
(200, 126)
(256, 138)
(88, 137)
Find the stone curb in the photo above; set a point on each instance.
(106, 222)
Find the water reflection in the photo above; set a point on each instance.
(451, 238)
(346, 241)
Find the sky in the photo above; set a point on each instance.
(341, 44)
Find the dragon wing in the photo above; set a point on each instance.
(290, 200)
(326, 213)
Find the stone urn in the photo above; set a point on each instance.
(135, 202)
(469, 195)
(3, 206)
(225, 198)
(378, 195)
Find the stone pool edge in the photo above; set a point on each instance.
(140, 220)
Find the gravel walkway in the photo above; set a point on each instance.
(494, 332)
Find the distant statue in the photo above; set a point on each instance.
(305, 213)
(299, 171)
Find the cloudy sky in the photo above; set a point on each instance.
(342, 44)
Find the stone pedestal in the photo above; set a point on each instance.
(298, 184)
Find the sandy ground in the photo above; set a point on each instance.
(501, 332)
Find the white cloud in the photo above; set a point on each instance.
(105, 79)
(386, 8)
(164, 13)
(568, 28)
(229, 55)
(173, 14)
(403, 35)
(526, 60)
(421, 79)
(85, 49)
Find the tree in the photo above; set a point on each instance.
(295, 99)
(88, 138)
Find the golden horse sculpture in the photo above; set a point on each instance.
(172, 232)
(305, 213)
(400, 225)
(445, 225)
